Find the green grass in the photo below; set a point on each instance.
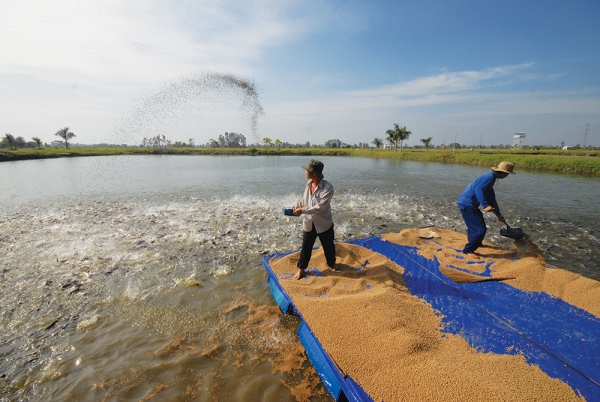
(551, 160)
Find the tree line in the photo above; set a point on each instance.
(11, 142)
(399, 134)
(395, 135)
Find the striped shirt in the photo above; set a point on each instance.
(316, 207)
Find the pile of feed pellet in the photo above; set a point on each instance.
(390, 342)
(524, 264)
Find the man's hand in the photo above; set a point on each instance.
(297, 211)
(489, 208)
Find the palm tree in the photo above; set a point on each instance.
(278, 143)
(10, 140)
(377, 142)
(267, 141)
(391, 138)
(426, 142)
(37, 141)
(401, 134)
(66, 135)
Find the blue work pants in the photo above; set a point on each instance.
(475, 227)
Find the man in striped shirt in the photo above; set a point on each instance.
(315, 208)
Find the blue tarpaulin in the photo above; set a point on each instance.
(492, 316)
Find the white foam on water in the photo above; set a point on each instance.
(223, 270)
(132, 291)
(86, 323)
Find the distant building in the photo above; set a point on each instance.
(567, 148)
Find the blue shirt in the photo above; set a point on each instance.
(480, 192)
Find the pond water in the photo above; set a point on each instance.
(133, 277)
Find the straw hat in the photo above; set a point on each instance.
(505, 167)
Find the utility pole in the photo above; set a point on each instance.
(481, 143)
(587, 126)
(454, 145)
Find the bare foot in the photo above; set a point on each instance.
(472, 255)
(334, 268)
(300, 274)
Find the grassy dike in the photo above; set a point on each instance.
(585, 163)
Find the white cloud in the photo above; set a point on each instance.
(479, 90)
(116, 41)
(446, 82)
(476, 101)
(83, 64)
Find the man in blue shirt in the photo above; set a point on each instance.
(481, 192)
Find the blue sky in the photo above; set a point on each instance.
(477, 71)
